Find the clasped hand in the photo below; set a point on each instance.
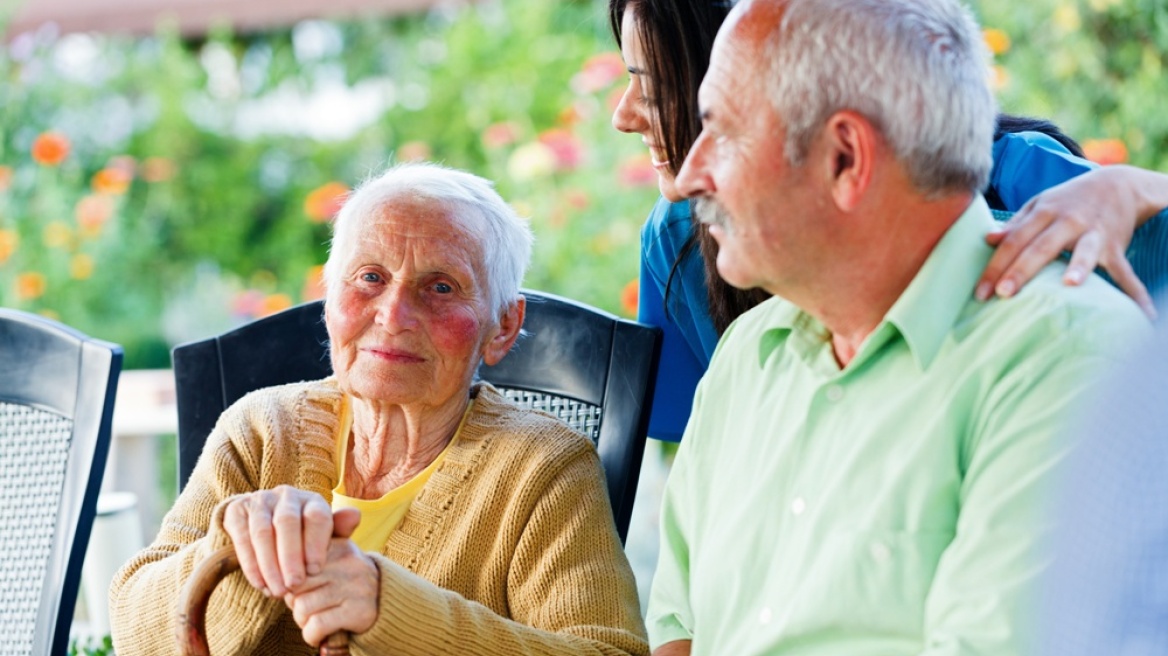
(291, 545)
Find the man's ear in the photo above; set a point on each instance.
(510, 324)
(850, 141)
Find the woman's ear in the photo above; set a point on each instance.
(510, 324)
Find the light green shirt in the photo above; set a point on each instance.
(894, 507)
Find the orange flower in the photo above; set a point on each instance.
(413, 151)
(9, 240)
(93, 212)
(997, 40)
(5, 178)
(81, 266)
(1105, 151)
(999, 77)
(111, 181)
(323, 203)
(313, 284)
(30, 285)
(157, 169)
(629, 297)
(274, 303)
(50, 148)
(577, 198)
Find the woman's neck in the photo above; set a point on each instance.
(391, 444)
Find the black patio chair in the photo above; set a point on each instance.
(592, 369)
(57, 391)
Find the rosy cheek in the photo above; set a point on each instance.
(455, 331)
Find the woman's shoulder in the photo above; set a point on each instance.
(668, 227)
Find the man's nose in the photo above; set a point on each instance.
(693, 179)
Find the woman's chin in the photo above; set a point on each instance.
(665, 183)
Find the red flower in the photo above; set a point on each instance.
(598, 72)
(499, 135)
(50, 148)
(638, 171)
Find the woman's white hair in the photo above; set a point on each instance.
(918, 69)
(507, 246)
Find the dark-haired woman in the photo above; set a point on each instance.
(1063, 202)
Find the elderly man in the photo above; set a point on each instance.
(867, 461)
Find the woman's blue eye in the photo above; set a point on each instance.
(370, 277)
(443, 288)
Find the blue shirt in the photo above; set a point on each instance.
(1025, 164)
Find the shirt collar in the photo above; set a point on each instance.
(929, 308)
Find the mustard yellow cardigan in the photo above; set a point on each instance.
(510, 548)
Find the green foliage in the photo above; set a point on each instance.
(225, 214)
(1096, 67)
(219, 222)
(92, 647)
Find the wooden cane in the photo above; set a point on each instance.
(192, 608)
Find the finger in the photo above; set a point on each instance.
(1029, 225)
(318, 530)
(1084, 258)
(994, 238)
(235, 522)
(289, 538)
(1041, 251)
(345, 521)
(264, 543)
(1122, 273)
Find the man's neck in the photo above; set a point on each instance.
(875, 266)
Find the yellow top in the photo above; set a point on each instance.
(379, 517)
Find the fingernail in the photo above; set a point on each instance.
(313, 569)
(983, 291)
(266, 592)
(1074, 276)
(1006, 288)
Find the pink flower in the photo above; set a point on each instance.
(500, 135)
(599, 72)
(565, 146)
(638, 171)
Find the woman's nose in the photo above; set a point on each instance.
(629, 115)
(397, 309)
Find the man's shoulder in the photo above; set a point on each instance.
(1093, 317)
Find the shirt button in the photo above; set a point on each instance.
(880, 552)
(764, 616)
(798, 506)
(835, 393)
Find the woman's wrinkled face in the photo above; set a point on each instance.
(636, 112)
(408, 311)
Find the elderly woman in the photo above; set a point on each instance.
(398, 500)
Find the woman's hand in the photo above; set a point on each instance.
(282, 536)
(1093, 216)
(344, 596)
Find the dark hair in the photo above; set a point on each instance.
(677, 38)
(1010, 123)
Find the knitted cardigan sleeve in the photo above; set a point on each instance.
(144, 593)
(570, 588)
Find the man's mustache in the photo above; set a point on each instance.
(710, 211)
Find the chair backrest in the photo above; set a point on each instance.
(57, 391)
(592, 369)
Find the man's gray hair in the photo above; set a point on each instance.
(506, 249)
(918, 69)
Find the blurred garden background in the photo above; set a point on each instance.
(156, 189)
